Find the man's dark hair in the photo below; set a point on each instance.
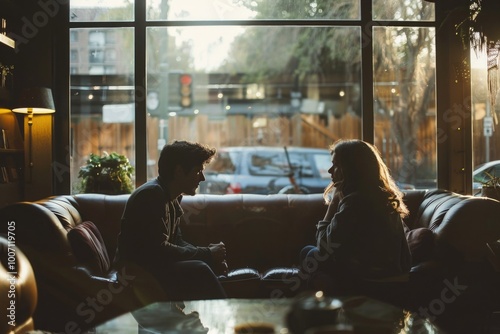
(186, 154)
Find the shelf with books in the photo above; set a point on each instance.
(11, 151)
(11, 159)
(10, 170)
(11, 176)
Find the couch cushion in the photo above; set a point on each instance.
(434, 207)
(88, 248)
(241, 283)
(421, 244)
(64, 209)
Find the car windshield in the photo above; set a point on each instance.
(268, 163)
(267, 170)
(323, 163)
(224, 163)
(487, 173)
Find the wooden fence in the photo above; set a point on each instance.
(307, 130)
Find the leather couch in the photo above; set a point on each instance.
(263, 236)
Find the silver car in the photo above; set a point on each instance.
(267, 170)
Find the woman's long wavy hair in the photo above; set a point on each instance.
(364, 170)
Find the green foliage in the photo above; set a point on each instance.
(107, 174)
(491, 187)
(479, 25)
(294, 52)
(492, 182)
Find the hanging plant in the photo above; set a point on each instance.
(480, 28)
(107, 174)
(485, 26)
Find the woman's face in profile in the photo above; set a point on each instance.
(335, 171)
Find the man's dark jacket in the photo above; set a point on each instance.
(150, 235)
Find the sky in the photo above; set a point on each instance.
(197, 9)
(210, 44)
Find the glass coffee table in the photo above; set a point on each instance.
(357, 314)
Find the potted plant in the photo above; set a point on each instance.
(491, 187)
(106, 174)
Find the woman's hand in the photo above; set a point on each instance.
(333, 206)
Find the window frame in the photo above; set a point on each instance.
(457, 179)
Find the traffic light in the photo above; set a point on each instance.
(186, 90)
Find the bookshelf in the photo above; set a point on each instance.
(11, 139)
(11, 159)
(11, 133)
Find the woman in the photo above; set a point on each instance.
(361, 239)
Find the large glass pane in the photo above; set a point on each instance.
(403, 10)
(102, 95)
(485, 118)
(404, 103)
(254, 86)
(101, 10)
(252, 9)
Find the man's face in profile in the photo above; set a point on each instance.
(191, 180)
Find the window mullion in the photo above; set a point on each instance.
(367, 72)
(140, 92)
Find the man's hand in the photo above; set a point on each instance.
(218, 252)
(219, 257)
(220, 268)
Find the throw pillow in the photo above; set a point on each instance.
(88, 247)
(421, 244)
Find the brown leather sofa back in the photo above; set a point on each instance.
(462, 225)
(259, 231)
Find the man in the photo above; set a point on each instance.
(150, 237)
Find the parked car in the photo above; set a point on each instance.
(483, 173)
(267, 170)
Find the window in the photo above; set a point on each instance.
(97, 38)
(102, 99)
(110, 55)
(396, 10)
(296, 79)
(485, 119)
(405, 116)
(224, 163)
(96, 56)
(101, 11)
(256, 10)
(74, 56)
(73, 36)
(268, 164)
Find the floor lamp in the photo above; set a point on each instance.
(33, 101)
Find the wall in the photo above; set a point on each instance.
(32, 27)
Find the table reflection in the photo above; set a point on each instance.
(361, 314)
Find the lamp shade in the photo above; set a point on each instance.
(37, 100)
